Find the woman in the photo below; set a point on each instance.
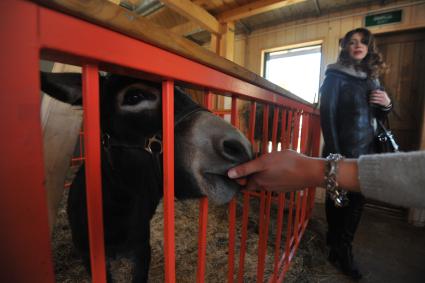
(351, 100)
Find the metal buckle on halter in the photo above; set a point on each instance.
(106, 140)
(153, 144)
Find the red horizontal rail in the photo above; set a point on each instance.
(86, 40)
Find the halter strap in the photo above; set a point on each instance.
(152, 145)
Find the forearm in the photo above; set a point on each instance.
(347, 176)
(348, 173)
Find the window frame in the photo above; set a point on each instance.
(294, 46)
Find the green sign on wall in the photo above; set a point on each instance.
(383, 18)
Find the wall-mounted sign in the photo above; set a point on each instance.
(383, 18)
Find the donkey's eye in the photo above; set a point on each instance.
(135, 96)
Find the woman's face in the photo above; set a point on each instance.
(356, 48)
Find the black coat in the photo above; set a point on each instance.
(348, 121)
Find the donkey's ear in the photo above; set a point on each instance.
(65, 87)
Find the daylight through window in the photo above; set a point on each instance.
(297, 70)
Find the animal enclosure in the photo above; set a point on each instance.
(48, 34)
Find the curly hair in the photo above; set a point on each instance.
(372, 64)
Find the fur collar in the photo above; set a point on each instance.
(349, 70)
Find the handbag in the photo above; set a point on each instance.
(385, 139)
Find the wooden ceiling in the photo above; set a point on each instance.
(197, 19)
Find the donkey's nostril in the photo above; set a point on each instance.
(235, 150)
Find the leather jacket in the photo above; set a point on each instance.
(347, 119)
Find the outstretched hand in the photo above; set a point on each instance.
(282, 171)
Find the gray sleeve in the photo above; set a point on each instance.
(396, 178)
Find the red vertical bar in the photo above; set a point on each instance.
(234, 114)
(203, 218)
(202, 239)
(246, 195)
(208, 100)
(288, 142)
(168, 165)
(24, 237)
(297, 194)
(289, 236)
(296, 132)
(264, 232)
(281, 199)
(304, 146)
(283, 130)
(275, 124)
(280, 212)
(261, 255)
(263, 237)
(93, 173)
(252, 115)
(232, 207)
(243, 236)
(304, 133)
(315, 150)
(265, 138)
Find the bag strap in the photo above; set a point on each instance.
(381, 124)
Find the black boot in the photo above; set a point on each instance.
(342, 257)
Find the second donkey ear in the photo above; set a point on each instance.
(66, 87)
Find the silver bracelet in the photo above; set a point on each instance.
(334, 192)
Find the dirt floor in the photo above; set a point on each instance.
(309, 264)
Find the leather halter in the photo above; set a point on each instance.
(152, 145)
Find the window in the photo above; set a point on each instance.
(296, 69)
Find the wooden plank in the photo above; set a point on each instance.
(59, 140)
(346, 25)
(404, 83)
(186, 29)
(417, 16)
(227, 42)
(194, 13)
(240, 45)
(254, 8)
(121, 20)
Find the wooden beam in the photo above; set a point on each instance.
(186, 29)
(254, 8)
(227, 42)
(215, 44)
(121, 20)
(316, 5)
(194, 13)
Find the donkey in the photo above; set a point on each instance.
(131, 162)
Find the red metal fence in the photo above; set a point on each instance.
(30, 33)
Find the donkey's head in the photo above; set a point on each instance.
(205, 145)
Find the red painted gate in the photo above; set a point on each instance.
(31, 32)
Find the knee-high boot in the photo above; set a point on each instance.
(342, 225)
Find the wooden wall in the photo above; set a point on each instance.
(328, 29)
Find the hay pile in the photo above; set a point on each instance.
(309, 264)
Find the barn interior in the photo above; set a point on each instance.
(389, 245)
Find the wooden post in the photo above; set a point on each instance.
(61, 124)
(227, 42)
